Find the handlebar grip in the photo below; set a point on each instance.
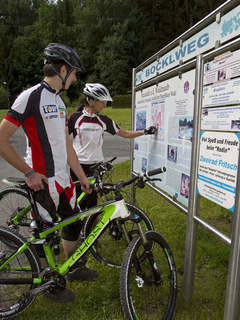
(91, 186)
(155, 171)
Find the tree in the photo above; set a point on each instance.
(111, 36)
(4, 98)
(27, 60)
(15, 16)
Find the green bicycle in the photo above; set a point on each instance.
(109, 249)
(148, 270)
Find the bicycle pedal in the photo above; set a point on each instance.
(41, 289)
(139, 281)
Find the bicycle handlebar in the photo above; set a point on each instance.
(109, 186)
(99, 169)
(102, 167)
(155, 171)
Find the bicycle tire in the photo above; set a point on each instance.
(109, 248)
(12, 200)
(141, 296)
(14, 298)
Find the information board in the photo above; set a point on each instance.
(169, 106)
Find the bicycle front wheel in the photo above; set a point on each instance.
(15, 208)
(111, 245)
(148, 287)
(16, 277)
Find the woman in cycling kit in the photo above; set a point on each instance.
(88, 125)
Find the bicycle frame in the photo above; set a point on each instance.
(110, 210)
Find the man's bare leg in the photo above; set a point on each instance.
(80, 272)
(69, 247)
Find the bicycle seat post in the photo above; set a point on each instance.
(37, 216)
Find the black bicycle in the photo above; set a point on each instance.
(148, 278)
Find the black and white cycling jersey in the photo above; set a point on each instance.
(88, 130)
(42, 114)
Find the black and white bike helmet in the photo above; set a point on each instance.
(57, 52)
(60, 52)
(97, 91)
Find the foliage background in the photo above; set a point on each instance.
(111, 36)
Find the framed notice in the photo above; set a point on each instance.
(222, 119)
(167, 105)
(218, 167)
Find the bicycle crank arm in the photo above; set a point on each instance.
(16, 281)
(41, 289)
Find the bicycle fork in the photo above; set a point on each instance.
(148, 254)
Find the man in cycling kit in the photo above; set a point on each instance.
(42, 114)
(88, 126)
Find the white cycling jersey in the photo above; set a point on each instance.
(88, 130)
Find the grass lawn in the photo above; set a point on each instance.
(122, 116)
(3, 112)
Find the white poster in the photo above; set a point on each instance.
(218, 167)
(168, 106)
(222, 119)
(222, 93)
(223, 67)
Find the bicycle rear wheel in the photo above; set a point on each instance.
(148, 287)
(15, 277)
(15, 208)
(111, 245)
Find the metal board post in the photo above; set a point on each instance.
(190, 246)
(231, 311)
(132, 188)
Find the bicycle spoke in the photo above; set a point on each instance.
(110, 247)
(16, 277)
(12, 202)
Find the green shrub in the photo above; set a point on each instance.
(4, 98)
(122, 101)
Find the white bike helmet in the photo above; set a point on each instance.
(97, 91)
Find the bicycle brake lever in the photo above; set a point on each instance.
(114, 158)
(156, 179)
(140, 183)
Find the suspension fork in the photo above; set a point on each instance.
(148, 251)
(128, 240)
(124, 229)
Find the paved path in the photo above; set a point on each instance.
(113, 146)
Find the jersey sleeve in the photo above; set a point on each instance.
(19, 111)
(70, 125)
(111, 126)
